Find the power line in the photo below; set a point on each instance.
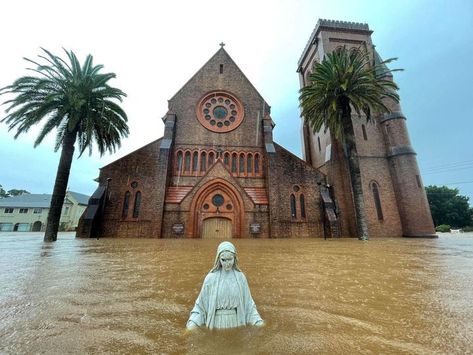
(451, 164)
(459, 183)
(446, 170)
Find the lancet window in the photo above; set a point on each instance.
(377, 200)
(293, 207)
(297, 201)
(197, 162)
(126, 203)
(136, 206)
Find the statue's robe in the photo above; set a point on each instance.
(205, 305)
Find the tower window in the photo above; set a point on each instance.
(318, 142)
(221, 68)
(242, 163)
(365, 136)
(418, 181)
(377, 201)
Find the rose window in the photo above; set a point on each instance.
(220, 112)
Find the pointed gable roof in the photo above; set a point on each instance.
(221, 52)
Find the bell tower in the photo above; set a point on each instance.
(394, 196)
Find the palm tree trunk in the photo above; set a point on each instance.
(60, 186)
(351, 155)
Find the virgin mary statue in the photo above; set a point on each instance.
(225, 300)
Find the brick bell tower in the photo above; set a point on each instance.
(395, 199)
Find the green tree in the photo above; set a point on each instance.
(345, 81)
(16, 192)
(75, 100)
(448, 207)
(3, 193)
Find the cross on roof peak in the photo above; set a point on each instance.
(222, 44)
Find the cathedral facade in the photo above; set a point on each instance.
(217, 173)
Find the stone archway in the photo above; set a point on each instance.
(221, 204)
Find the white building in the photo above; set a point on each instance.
(29, 212)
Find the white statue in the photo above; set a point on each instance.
(225, 300)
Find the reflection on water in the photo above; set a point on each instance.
(336, 296)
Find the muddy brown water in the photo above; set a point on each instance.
(133, 296)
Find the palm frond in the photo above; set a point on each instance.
(69, 98)
(343, 81)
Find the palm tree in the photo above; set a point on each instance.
(345, 81)
(75, 100)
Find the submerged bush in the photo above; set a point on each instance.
(467, 229)
(443, 228)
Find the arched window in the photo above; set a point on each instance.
(195, 161)
(136, 207)
(377, 200)
(126, 203)
(211, 158)
(187, 162)
(249, 164)
(257, 164)
(203, 161)
(242, 163)
(226, 159)
(293, 206)
(302, 201)
(234, 163)
(179, 161)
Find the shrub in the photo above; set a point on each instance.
(467, 229)
(443, 228)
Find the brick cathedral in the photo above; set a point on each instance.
(217, 172)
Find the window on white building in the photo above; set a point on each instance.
(23, 210)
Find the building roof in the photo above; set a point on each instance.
(38, 200)
(80, 198)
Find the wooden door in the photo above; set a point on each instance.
(217, 228)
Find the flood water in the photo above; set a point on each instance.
(133, 296)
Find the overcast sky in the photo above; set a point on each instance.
(154, 47)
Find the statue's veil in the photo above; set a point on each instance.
(225, 246)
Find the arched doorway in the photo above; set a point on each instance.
(37, 226)
(217, 228)
(216, 211)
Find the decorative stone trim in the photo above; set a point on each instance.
(335, 25)
(396, 115)
(220, 112)
(199, 161)
(402, 150)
